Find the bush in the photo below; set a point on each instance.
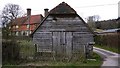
(10, 51)
(27, 49)
(107, 40)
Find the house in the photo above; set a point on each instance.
(63, 33)
(24, 26)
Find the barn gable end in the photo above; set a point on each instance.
(63, 32)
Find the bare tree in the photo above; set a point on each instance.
(11, 12)
(91, 21)
(96, 17)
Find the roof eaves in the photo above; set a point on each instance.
(87, 25)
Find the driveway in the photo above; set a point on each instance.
(110, 59)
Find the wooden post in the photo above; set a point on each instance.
(35, 51)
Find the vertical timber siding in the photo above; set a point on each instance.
(65, 37)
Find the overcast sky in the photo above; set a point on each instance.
(106, 9)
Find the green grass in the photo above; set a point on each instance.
(108, 48)
(96, 62)
(27, 48)
(26, 51)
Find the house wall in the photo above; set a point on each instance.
(66, 36)
(24, 27)
(23, 30)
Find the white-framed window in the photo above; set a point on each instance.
(13, 26)
(17, 26)
(27, 33)
(9, 27)
(30, 32)
(28, 26)
(22, 33)
(17, 33)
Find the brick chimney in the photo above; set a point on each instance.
(28, 11)
(28, 16)
(46, 12)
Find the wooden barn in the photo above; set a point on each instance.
(63, 34)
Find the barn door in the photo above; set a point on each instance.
(69, 44)
(62, 43)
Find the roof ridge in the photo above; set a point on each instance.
(62, 8)
(23, 20)
(31, 15)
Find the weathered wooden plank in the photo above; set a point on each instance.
(66, 24)
(62, 40)
(69, 44)
(81, 40)
(64, 29)
(55, 40)
(58, 43)
(43, 40)
(64, 36)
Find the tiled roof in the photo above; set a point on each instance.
(34, 19)
(63, 8)
(19, 21)
(24, 20)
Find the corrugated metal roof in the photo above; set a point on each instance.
(109, 31)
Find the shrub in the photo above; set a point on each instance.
(10, 51)
(27, 49)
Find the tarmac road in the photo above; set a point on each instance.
(110, 59)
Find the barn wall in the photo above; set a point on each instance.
(66, 36)
(63, 24)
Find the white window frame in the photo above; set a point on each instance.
(27, 33)
(28, 26)
(17, 33)
(9, 27)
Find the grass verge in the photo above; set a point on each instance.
(108, 48)
(95, 62)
